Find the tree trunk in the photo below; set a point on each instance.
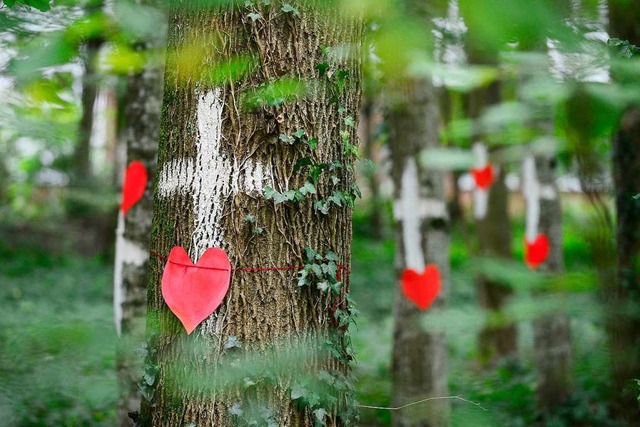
(221, 150)
(624, 297)
(494, 238)
(552, 332)
(419, 365)
(139, 133)
(370, 151)
(494, 235)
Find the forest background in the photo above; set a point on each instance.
(557, 80)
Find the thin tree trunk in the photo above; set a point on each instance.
(139, 133)
(217, 156)
(370, 151)
(552, 332)
(624, 297)
(494, 238)
(419, 366)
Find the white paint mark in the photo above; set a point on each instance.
(212, 177)
(531, 194)
(409, 214)
(127, 252)
(480, 196)
(426, 208)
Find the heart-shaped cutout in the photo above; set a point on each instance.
(135, 183)
(483, 177)
(536, 252)
(193, 292)
(421, 289)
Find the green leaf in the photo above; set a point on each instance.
(321, 206)
(289, 195)
(330, 269)
(308, 188)
(236, 410)
(254, 16)
(299, 133)
(316, 269)
(331, 256)
(298, 391)
(287, 8)
(310, 253)
(320, 413)
(305, 161)
(349, 122)
(313, 143)
(232, 342)
(284, 138)
(250, 219)
(322, 286)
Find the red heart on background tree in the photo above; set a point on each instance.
(135, 182)
(483, 176)
(421, 289)
(193, 292)
(537, 251)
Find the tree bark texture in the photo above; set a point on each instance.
(139, 133)
(552, 332)
(624, 296)
(419, 366)
(217, 155)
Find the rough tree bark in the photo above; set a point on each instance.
(552, 332)
(139, 133)
(220, 147)
(419, 366)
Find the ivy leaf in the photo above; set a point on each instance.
(326, 377)
(316, 269)
(305, 161)
(321, 206)
(248, 382)
(254, 16)
(232, 342)
(287, 8)
(303, 278)
(250, 219)
(313, 143)
(320, 413)
(323, 286)
(298, 391)
(284, 138)
(349, 122)
(289, 195)
(299, 133)
(236, 410)
(308, 188)
(269, 193)
(330, 269)
(310, 253)
(331, 256)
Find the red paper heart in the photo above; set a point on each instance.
(421, 289)
(193, 292)
(483, 177)
(537, 251)
(135, 182)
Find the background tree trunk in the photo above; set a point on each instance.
(139, 133)
(419, 365)
(216, 158)
(494, 240)
(624, 296)
(552, 332)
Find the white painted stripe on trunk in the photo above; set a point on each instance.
(411, 218)
(127, 252)
(531, 194)
(213, 177)
(480, 196)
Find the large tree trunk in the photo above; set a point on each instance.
(220, 148)
(624, 297)
(552, 332)
(139, 133)
(419, 365)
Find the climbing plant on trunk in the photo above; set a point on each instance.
(256, 152)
